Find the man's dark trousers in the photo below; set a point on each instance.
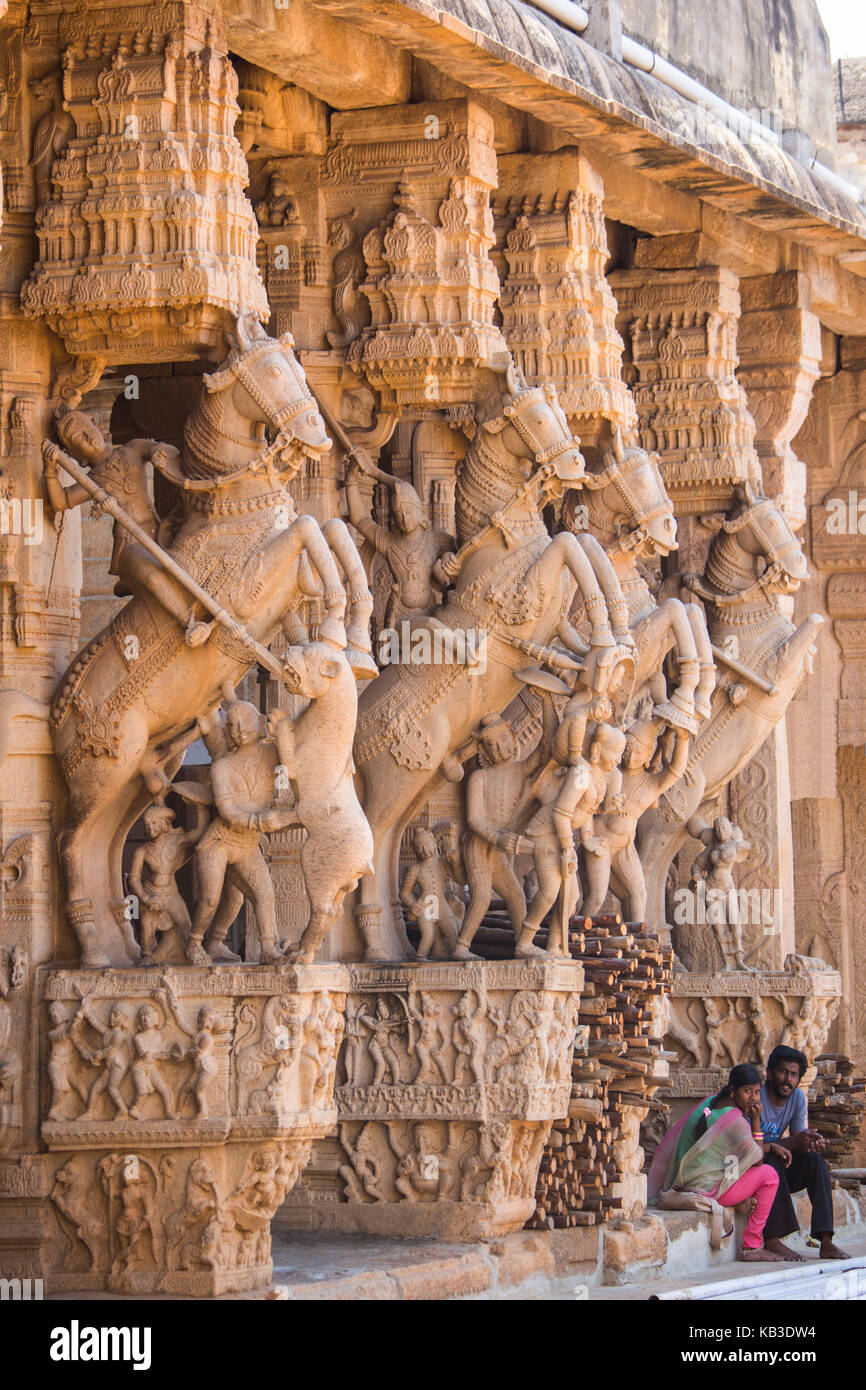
(806, 1170)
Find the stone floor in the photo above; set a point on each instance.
(664, 1255)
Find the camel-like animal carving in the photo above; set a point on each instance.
(754, 558)
(130, 701)
(514, 583)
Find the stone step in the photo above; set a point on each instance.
(819, 1280)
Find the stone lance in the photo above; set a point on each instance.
(109, 504)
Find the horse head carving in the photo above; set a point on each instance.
(628, 503)
(755, 548)
(260, 384)
(526, 433)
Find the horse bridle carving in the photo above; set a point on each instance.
(238, 369)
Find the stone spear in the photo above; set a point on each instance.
(109, 504)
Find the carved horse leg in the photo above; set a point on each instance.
(90, 847)
(653, 635)
(566, 553)
(339, 541)
(305, 534)
(610, 585)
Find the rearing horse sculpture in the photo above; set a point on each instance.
(622, 515)
(125, 710)
(513, 582)
(754, 558)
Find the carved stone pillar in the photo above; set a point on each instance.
(719, 1020)
(558, 310)
(179, 1110)
(450, 1078)
(146, 240)
(779, 343)
(831, 794)
(680, 330)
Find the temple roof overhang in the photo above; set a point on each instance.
(510, 51)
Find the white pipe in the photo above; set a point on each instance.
(850, 190)
(575, 17)
(645, 60)
(566, 11)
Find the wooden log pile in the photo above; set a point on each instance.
(616, 1066)
(837, 1106)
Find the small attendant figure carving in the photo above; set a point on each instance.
(316, 750)
(279, 208)
(244, 786)
(150, 1047)
(429, 1045)
(13, 970)
(583, 787)
(494, 797)
(199, 1051)
(613, 861)
(381, 1025)
(318, 1064)
(152, 879)
(424, 893)
(65, 1049)
(364, 1177)
(724, 846)
(424, 1172)
(448, 842)
(468, 1037)
(411, 551)
(115, 1056)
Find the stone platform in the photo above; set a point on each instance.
(665, 1255)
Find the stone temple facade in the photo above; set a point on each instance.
(432, 638)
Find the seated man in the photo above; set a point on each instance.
(784, 1113)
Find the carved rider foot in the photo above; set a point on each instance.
(272, 955)
(196, 954)
(525, 949)
(462, 952)
(218, 950)
(197, 633)
(677, 715)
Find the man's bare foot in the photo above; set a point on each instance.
(783, 1252)
(829, 1251)
(761, 1255)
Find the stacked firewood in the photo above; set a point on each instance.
(837, 1106)
(580, 1182)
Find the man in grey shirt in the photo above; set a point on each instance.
(785, 1121)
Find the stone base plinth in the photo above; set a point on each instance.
(179, 1108)
(449, 1080)
(721, 1019)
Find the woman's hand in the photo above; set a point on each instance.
(781, 1152)
(753, 1115)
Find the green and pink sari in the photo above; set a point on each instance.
(711, 1164)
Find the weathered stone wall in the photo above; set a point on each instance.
(775, 55)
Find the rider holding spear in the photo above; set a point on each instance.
(120, 471)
